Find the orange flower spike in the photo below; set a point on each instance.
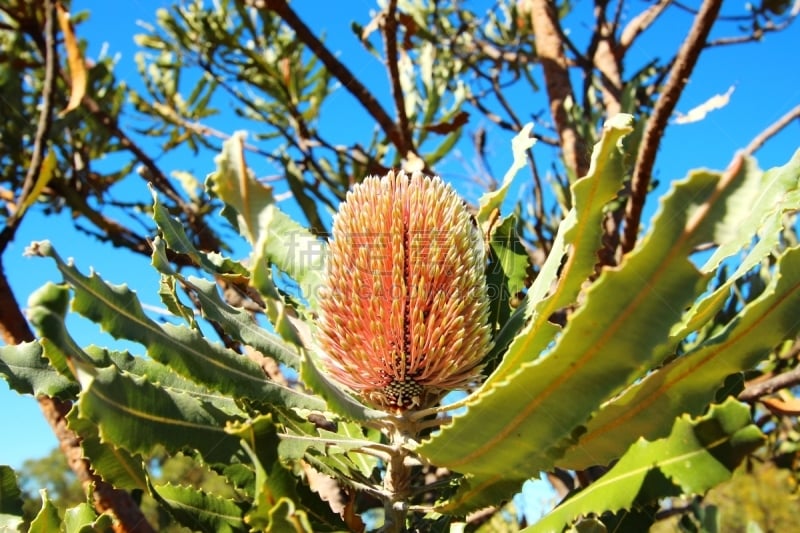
(404, 307)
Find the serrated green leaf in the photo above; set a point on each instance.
(284, 516)
(294, 446)
(10, 495)
(168, 293)
(696, 456)
(236, 322)
(115, 465)
(173, 232)
(581, 234)
(47, 309)
(769, 195)
(293, 250)
(48, 519)
(27, 371)
(608, 343)
(273, 480)
(118, 311)
(479, 492)
(338, 401)
(240, 325)
(244, 196)
(520, 145)
(80, 519)
(139, 416)
(682, 386)
(275, 237)
(759, 214)
(200, 510)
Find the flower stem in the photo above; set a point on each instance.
(397, 485)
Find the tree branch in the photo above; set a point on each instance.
(43, 126)
(772, 130)
(392, 58)
(681, 70)
(550, 51)
(640, 23)
(754, 392)
(335, 67)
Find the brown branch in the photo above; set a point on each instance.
(43, 126)
(607, 62)
(550, 51)
(640, 23)
(335, 67)
(679, 75)
(772, 130)
(754, 392)
(392, 58)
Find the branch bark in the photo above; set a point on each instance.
(755, 391)
(550, 52)
(392, 62)
(43, 125)
(772, 130)
(681, 70)
(335, 67)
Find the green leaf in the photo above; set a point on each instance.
(118, 311)
(581, 233)
(139, 416)
(115, 465)
(284, 516)
(168, 292)
(338, 401)
(27, 371)
(48, 519)
(156, 372)
(173, 232)
(236, 322)
(44, 177)
(697, 455)
(520, 145)
(244, 197)
(294, 250)
(688, 384)
(608, 343)
(275, 237)
(240, 325)
(478, 492)
(200, 510)
(10, 499)
(770, 195)
(758, 214)
(511, 255)
(273, 480)
(83, 519)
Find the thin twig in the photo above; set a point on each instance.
(763, 388)
(42, 127)
(772, 130)
(681, 70)
(392, 64)
(640, 23)
(335, 67)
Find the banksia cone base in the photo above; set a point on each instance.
(404, 306)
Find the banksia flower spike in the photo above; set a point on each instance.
(404, 306)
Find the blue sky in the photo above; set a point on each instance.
(765, 77)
